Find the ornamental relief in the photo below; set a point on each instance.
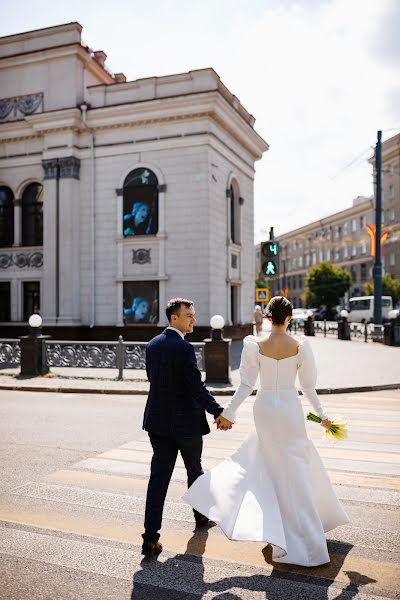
(33, 260)
(139, 260)
(20, 106)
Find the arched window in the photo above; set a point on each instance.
(6, 217)
(234, 210)
(32, 215)
(140, 203)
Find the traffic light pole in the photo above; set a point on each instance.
(378, 225)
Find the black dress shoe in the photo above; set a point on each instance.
(150, 549)
(202, 521)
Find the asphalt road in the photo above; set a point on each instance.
(73, 471)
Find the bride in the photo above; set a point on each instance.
(274, 488)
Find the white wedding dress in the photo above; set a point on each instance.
(274, 488)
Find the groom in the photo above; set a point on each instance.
(174, 416)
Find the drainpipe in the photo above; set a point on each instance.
(92, 195)
(57, 241)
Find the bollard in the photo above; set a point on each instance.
(309, 327)
(33, 353)
(365, 332)
(391, 335)
(343, 327)
(324, 327)
(120, 357)
(217, 353)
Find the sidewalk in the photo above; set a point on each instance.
(342, 367)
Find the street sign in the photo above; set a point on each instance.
(262, 295)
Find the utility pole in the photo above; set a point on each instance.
(378, 225)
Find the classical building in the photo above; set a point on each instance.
(117, 195)
(343, 239)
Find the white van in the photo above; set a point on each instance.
(361, 309)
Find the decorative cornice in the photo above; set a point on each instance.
(20, 106)
(50, 166)
(65, 168)
(69, 167)
(34, 260)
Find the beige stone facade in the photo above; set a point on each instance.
(342, 238)
(81, 137)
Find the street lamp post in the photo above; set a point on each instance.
(377, 271)
(217, 353)
(32, 362)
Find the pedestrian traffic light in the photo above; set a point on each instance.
(269, 258)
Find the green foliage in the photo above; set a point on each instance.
(326, 285)
(390, 287)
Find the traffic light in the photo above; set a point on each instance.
(269, 258)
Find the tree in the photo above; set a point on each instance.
(326, 285)
(390, 287)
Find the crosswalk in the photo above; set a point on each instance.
(88, 518)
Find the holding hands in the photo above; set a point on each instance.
(223, 423)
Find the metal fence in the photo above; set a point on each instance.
(110, 355)
(10, 353)
(364, 331)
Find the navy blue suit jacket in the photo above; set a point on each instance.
(178, 398)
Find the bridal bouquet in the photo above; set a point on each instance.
(336, 431)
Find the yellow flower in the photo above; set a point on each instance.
(337, 429)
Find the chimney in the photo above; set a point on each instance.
(119, 78)
(100, 57)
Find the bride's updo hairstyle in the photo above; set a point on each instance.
(278, 309)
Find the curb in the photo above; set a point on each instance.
(213, 391)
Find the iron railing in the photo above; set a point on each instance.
(10, 353)
(110, 355)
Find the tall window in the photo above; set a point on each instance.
(234, 305)
(5, 301)
(31, 298)
(363, 272)
(234, 210)
(140, 203)
(6, 217)
(32, 215)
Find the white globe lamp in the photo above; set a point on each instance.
(344, 314)
(217, 323)
(35, 320)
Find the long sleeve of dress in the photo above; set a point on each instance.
(307, 372)
(249, 369)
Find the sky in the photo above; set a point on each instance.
(320, 77)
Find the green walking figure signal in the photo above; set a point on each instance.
(270, 268)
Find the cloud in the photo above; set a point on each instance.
(385, 42)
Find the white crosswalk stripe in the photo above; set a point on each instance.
(89, 517)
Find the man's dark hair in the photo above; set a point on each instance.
(278, 309)
(174, 306)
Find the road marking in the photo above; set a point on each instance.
(215, 546)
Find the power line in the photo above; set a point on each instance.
(352, 162)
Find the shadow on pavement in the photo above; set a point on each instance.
(182, 577)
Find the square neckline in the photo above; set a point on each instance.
(278, 359)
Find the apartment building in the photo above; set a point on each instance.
(342, 238)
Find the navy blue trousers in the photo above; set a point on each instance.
(165, 452)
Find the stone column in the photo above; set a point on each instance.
(48, 289)
(69, 241)
(61, 246)
(17, 222)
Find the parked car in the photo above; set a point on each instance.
(300, 315)
(361, 309)
(330, 314)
